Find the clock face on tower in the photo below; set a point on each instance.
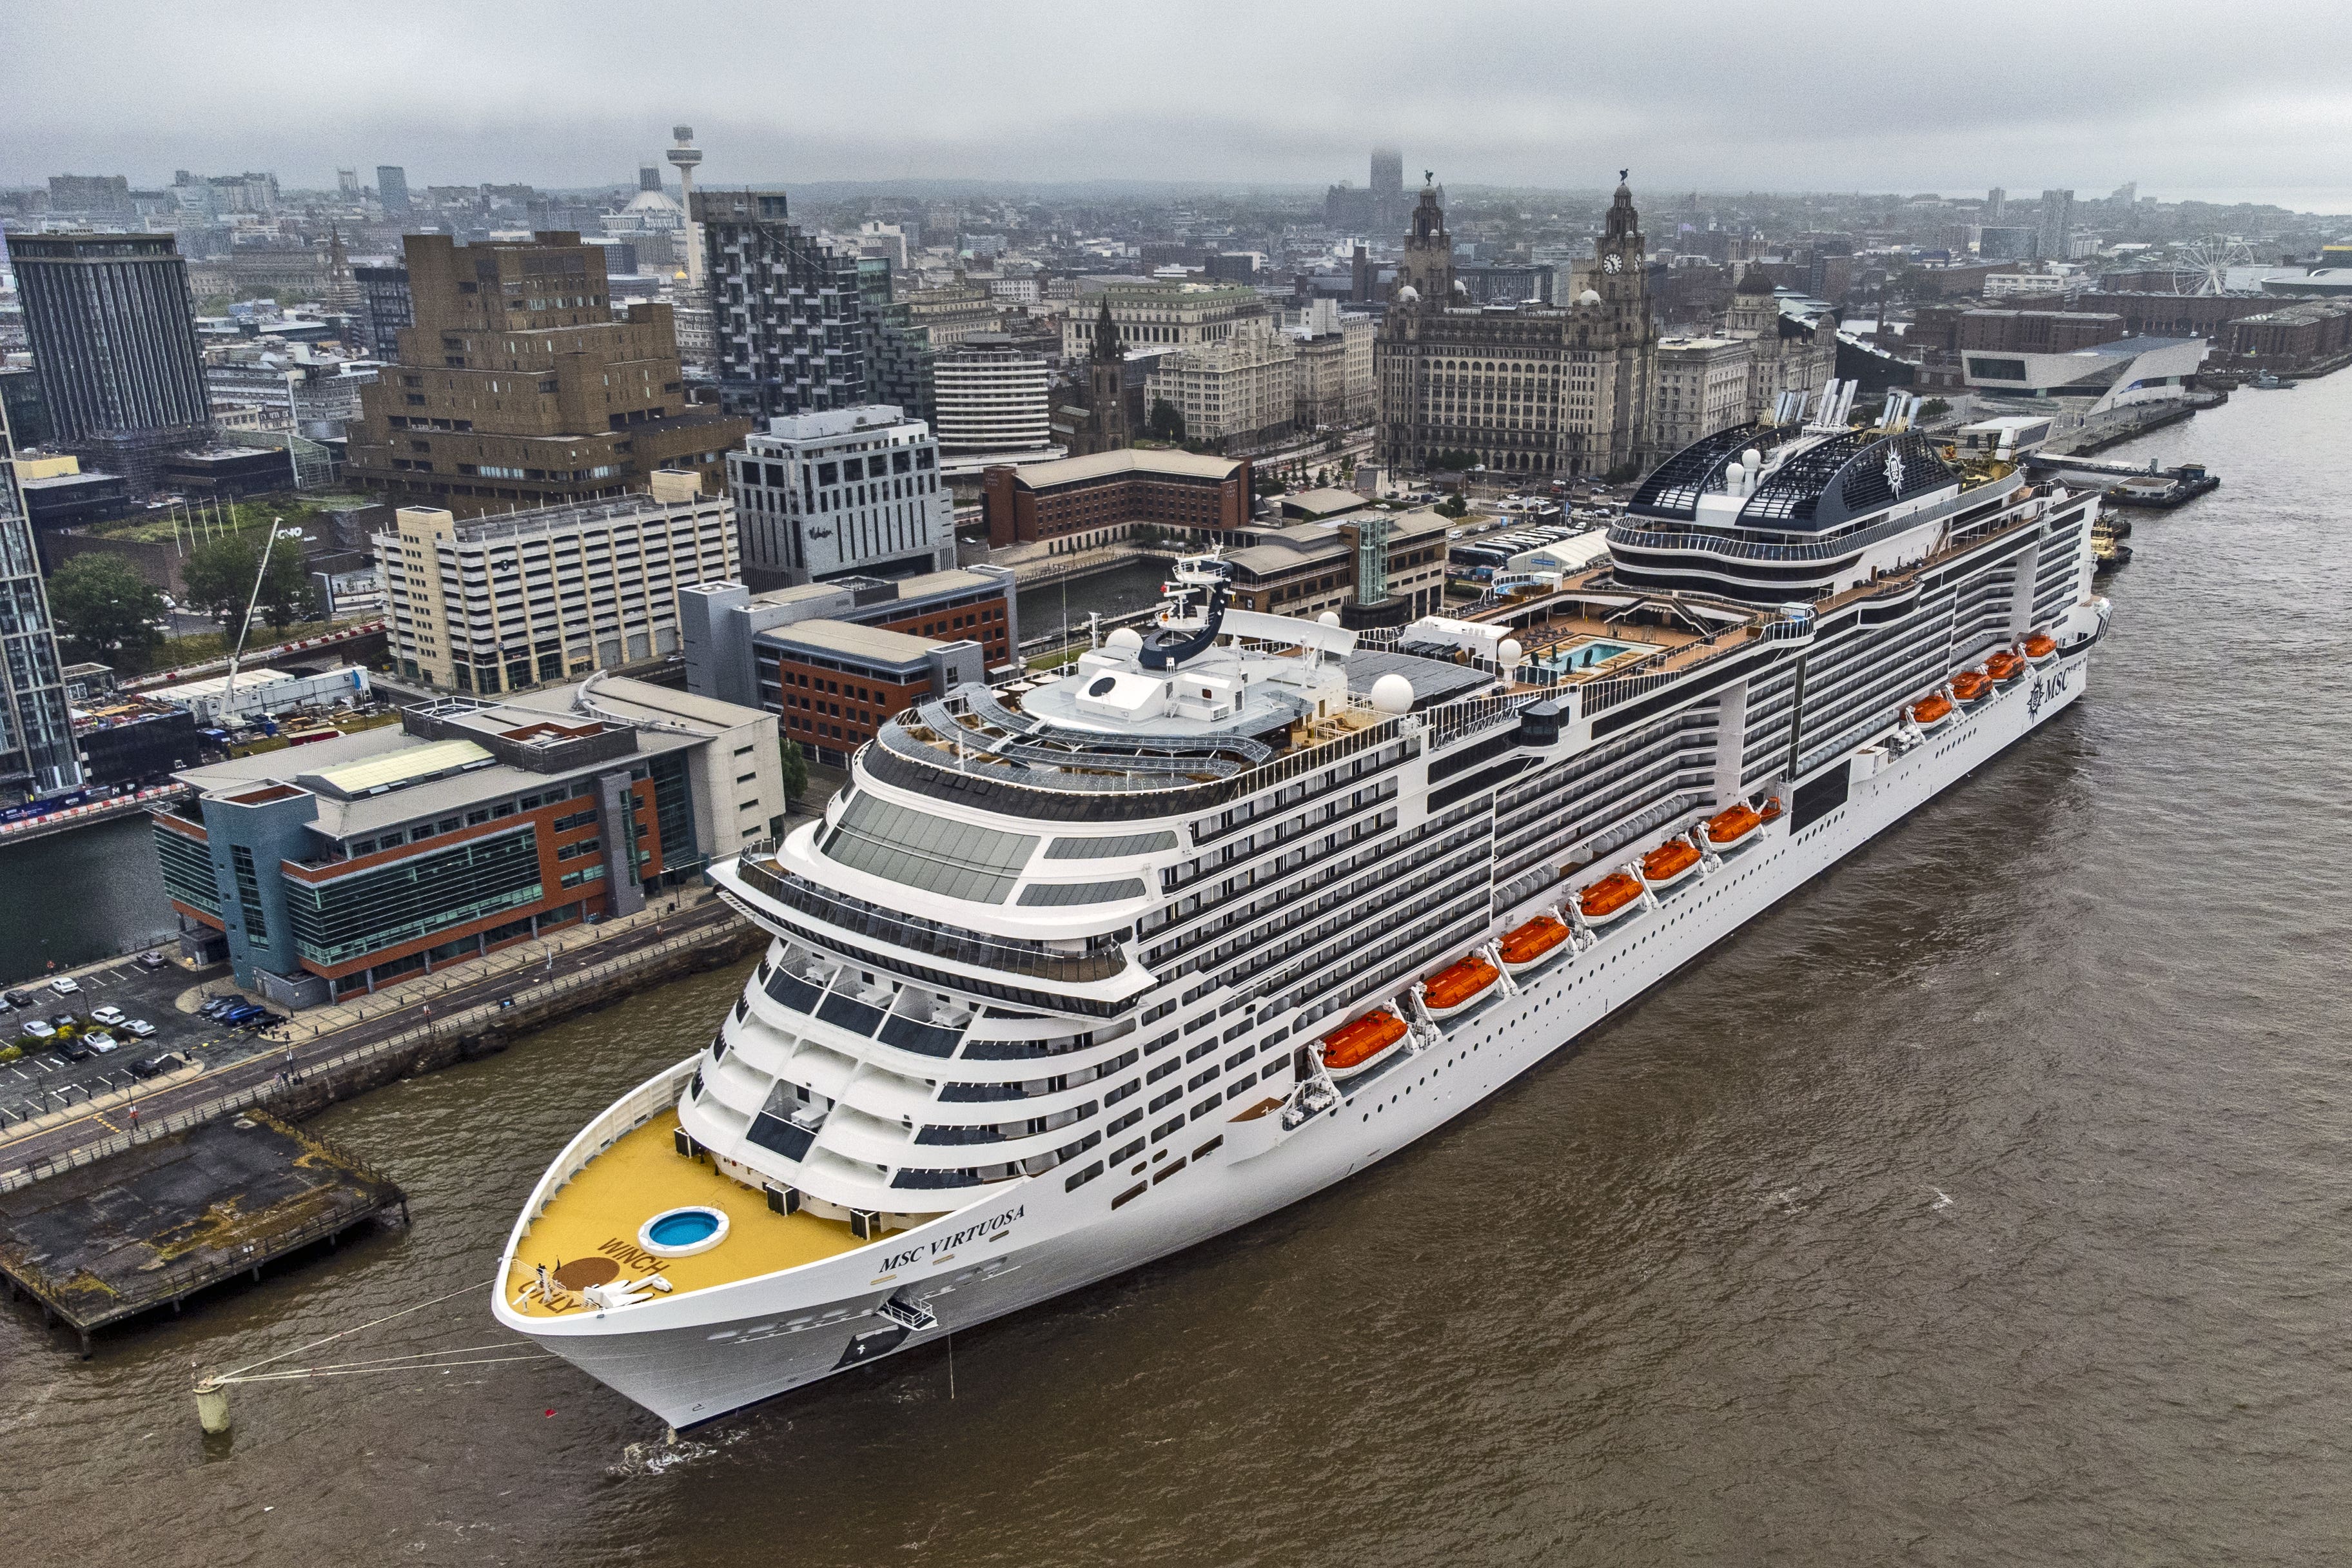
(1611, 263)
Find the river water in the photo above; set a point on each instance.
(1984, 1203)
(74, 897)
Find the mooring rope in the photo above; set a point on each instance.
(356, 1369)
(239, 1374)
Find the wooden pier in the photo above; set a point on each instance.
(164, 1220)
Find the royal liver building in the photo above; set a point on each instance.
(1543, 391)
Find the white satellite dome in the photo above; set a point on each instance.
(1124, 636)
(1590, 297)
(1408, 295)
(1752, 460)
(1509, 654)
(1328, 618)
(1392, 694)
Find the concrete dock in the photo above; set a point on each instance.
(163, 1220)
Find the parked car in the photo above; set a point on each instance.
(138, 1028)
(101, 1042)
(162, 1062)
(153, 959)
(64, 1020)
(235, 1016)
(39, 1029)
(219, 1004)
(109, 1016)
(73, 1050)
(17, 998)
(264, 1019)
(65, 985)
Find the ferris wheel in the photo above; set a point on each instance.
(2202, 265)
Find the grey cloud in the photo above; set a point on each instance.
(1721, 94)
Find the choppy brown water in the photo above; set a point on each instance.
(1985, 1202)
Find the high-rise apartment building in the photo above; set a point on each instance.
(819, 496)
(786, 314)
(384, 308)
(517, 386)
(1544, 391)
(2056, 224)
(114, 341)
(36, 743)
(908, 333)
(1392, 207)
(391, 189)
(991, 399)
(1996, 205)
(506, 601)
(1237, 391)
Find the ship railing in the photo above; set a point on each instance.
(956, 944)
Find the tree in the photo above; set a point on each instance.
(1933, 408)
(102, 602)
(795, 764)
(219, 575)
(1453, 506)
(1165, 423)
(1453, 459)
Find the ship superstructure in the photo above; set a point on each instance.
(1084, 969)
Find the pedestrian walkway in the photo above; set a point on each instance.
(539, 953)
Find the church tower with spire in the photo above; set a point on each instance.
(1107, 426)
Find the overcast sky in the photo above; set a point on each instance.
(2218, 100)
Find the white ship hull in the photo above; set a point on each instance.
(697, 1356)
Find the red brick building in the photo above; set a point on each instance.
(1080, 502)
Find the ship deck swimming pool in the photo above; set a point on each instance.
(1585, 656)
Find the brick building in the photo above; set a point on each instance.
(2293, 338)
(1080, 502)
(772, 651)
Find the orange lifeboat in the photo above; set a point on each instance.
(1771, 812)
(1933, 712)
(1727, 830)
(1612, 898)
(2040, 647)
(1669, 863)
(1355, 1045)
(1971, 685)
(1458, 985)
(1533, 943)
(2005, 665)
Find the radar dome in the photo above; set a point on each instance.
(1408, 295)
(1124, 636)
(1753, 458)
(1328, 618)
(1508, 655)
(1392, 694)
(1590, 297)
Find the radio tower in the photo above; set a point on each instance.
(683, 156)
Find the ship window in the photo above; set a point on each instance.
(935, 854)
(1102, 849)
(1046, 895)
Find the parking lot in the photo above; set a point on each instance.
(45, 1078)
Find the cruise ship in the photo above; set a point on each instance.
(1078, 971)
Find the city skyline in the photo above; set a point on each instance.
(995, 98)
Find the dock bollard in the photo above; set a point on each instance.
(211, 1407)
